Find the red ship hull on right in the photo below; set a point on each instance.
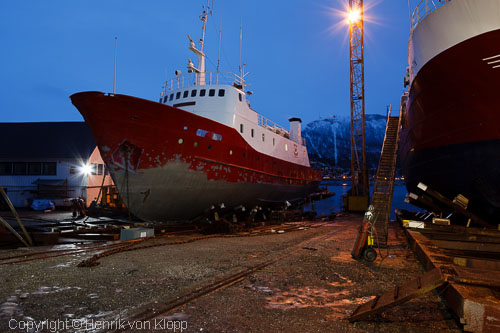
(450, 137)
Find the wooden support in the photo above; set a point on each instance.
(13, 210)
(425, 203)
(468, 246)
(8, 226)
(477, 306)
(401, 294)
(444, 200)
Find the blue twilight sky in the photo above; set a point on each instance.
(296, 52)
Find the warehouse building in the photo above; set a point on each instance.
(50, 160)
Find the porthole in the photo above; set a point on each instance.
(195, 144)
(185, 128)
(209, 147)
(181, 141)
(230, 152)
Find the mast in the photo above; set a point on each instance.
(200, 70)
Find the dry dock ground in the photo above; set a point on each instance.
(297, 281)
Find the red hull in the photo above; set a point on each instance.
(156, 136)
(451, 131)
(454, 97)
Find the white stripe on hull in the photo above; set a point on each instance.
(449, 25)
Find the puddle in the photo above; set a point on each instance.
(344, 282)
(344, 257)
(51, 290)
(298, 298)
(259, 288)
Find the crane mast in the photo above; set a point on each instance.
(359, 174)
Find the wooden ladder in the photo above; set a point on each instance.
(384, 181)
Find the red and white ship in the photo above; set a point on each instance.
(201, 144)
(450, 138)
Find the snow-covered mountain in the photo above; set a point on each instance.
(329, 140)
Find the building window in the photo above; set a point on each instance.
(50, 168)
(186, 94)
(221, 92)
(193, 93)
(241, 128)
(203, 92)
(171, 97)
(34, 168)
(5, 168)
(100, 169)
(211, 92)
(19, 168)
(251, 132)
(178, 95)
(93, 169)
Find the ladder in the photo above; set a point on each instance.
(384, 181)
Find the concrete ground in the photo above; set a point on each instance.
(312, 289)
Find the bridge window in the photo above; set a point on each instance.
(211, 92)
(171, 97)
(193, 93)
(178, 95)
(186, 93)
(165, 99)
(221, 92)
(241, 128)
(203, 92)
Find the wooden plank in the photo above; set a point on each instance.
(477, 307)
(438, 196)
(419, 286)
(13, 210)
(491, 265)
(468, 246)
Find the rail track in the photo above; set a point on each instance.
(145, 243)
(157, 309)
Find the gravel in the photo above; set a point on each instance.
(313, 289)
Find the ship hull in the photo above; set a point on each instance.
(450, 135)
(169, 164)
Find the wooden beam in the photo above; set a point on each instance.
(400, 294)
(13, 210)
(457, 208)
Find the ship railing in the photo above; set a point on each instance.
(424, 8)
(196, 80)
(280, 130)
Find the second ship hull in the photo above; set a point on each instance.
(450, 137)
(169, 164)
